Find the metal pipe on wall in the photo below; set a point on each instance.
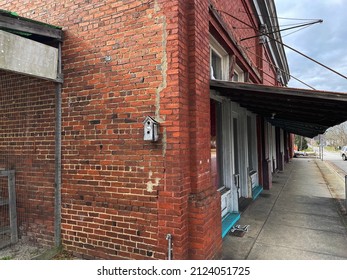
(57, 179)
(169, 245)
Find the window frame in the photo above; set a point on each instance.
(240, 73)
(218, 50)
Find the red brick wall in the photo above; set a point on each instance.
(111, 177)
(27, 120)
(173, 196)
(240, 19)
(122, 61)
(204, 207)
(121, 195)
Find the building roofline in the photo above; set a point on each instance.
(12, 22)
(267, 14)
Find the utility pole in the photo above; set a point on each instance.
(300, 143)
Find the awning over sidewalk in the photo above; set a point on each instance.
(300, 111)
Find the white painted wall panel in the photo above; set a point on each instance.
(27, 57)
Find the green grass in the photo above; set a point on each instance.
(330, 148)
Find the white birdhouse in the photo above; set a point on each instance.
(151, 129)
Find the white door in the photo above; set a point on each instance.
(226, 190)
(221, 151)
(225, 201)
(236, 156)
(226, 155)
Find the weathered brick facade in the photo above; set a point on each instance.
(122, 61)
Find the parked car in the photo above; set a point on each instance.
(299, 153)
(344, 152)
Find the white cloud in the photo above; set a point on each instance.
(323, 42)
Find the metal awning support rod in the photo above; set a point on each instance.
(281, 30)
(306, 56)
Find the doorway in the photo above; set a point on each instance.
(222, 161)
(239, 162)
(220, 154)
(236, 158)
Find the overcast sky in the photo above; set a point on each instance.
(325, 42)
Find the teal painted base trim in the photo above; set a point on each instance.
(257, 191)
(228, 222)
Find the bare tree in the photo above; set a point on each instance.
(337, 135)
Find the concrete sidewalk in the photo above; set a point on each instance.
(297, 219)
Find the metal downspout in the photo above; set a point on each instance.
(57, 179)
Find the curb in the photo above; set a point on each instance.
(341, 206)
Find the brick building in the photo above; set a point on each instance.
(109, 193)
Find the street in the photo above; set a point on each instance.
(337, 186)
(335, 160)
